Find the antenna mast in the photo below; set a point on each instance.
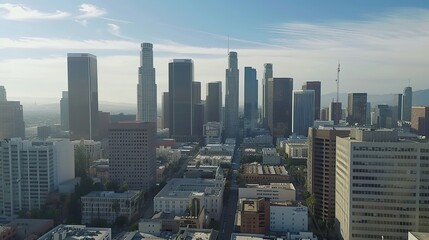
(338, 83)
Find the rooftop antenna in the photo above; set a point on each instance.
(338, 82)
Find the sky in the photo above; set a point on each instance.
(382, 46)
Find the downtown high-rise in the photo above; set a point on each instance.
(11, 117)
(357, 109)
(407, 103)
(214, 102)
(303, 111)
(64, 111)
(180, 86)
(316, 86)
(231, 96)
(146, 87)
(83, 96)
(268, 74)
(250, 97)
(280, 106)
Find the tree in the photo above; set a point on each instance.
(116, 207)
(123, 187)
(81, 161)
(112, 186)
(311, 201)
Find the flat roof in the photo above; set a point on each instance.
(285, 186)
(420, 235)
(111, 194)
(185, 187)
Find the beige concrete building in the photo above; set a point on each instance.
(382, 185)
(321, 169)
(273, 191)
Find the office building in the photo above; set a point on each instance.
(198, 114)
(213, 133)
(43, 132)
(121, 117)
(270, 156)
(303, 111)
(214, 102)
(68, 232)
(335, 112)
(357, 109)
(280, 106)
(381, 185)
(261, 174)
(316, 86)
(384, 116)
(165, 110)
(268, 74)
(99, 205)
(181, 77)
(3, 96)
(250, 98)
(146, 87)
(11, 120)
(64, 111)
(277, 192)
(104, 124)
(407, 103)
(83, 95)
(179, 193)
(420, 120)
(91, 149)
(132, 154)
(321, 169)
(397, 108)
(231, 96)
(30, 171)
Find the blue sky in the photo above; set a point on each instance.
(381, 44)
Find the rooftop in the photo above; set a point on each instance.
(196, 234)
(285, 186)
(185, 187)
(111, 194)
(76, 232)
(264, 169)
(420, 235)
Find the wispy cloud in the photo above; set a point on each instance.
(91, 11)
(82, 22)
(115, 30)
(10, 11)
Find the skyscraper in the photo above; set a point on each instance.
(132, 154)
(198, 114)
(321, 169)
(280, 106)
(11, 120)
(381, 185)
(407, 103)
(316, 86)
(64, 111)
(181, 76)
(303, 111)
(268, 74)
(397, 108)
(3, 97)
(250, 97)
(165, 109)
(336, 112)
(214, 102)
(420, 120)
(356, 109)
(83, 95)
(384, 116)
(231, 96)
(146, 88)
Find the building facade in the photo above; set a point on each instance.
(30, 171)
(277, 192)
(316, 87)
(250, 98)
(280, 106)
(407, 103)
(165, 110)
(420, 120)
(110, 205)
(231, 96)
(303, 111)
(321, 169)
(64, 111)
(181, 76)
(213, 133)
(146, 87)
(214, 102)
(11, 120)
(83, 95)
(357, 109)
(382, 185)
(132, 154)
(268, 74)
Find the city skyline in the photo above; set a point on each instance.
(303, 47)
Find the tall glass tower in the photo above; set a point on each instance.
(250, 97)
(83, 95)
(231, 97)
(407, 103)
(146, 87)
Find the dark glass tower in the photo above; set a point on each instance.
(280, 106)
(83, 96)
(214, 102)
(316, 86)
(250, 97)
(356, 109)
(180, 79)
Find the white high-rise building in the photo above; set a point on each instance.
(29, 171)
(146, 88)
(231, 96)
(381, 185)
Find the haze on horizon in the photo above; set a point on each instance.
(382, 46)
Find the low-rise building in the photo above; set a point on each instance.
(288, 217)
(196, 234)
(200, 171)
(260, 174)
(273, 191)
(100, 169)
(270, 156)
(92, 149)
(418, 236)
(169, 154)
(110, 205)
(213, 133)
(73, 232)
(7, 232)
(179, 193)
(31, 228)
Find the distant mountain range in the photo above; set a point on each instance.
(420, 97)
